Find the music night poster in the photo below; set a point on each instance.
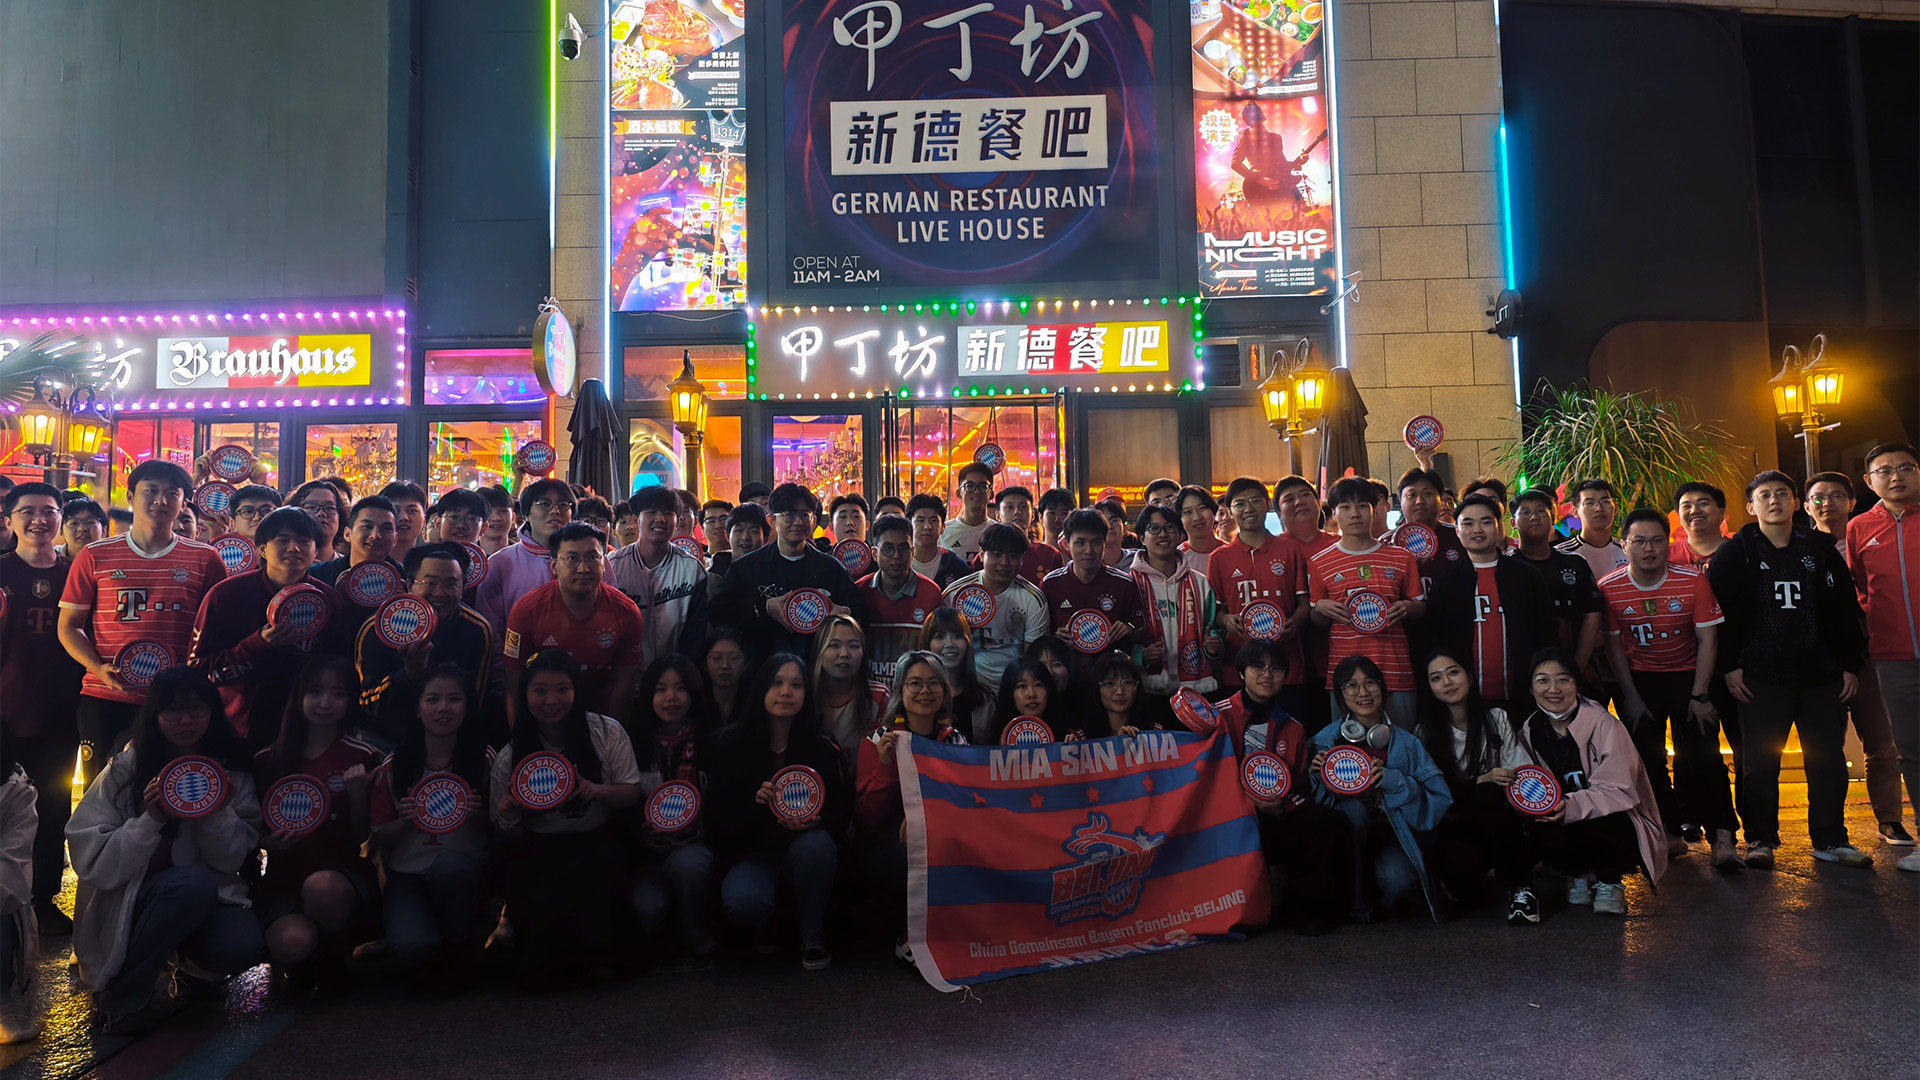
(1009, 147)
(1263, 160)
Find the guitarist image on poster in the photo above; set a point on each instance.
(1268, 175)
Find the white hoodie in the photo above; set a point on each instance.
(1163, 593)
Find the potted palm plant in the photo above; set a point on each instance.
(1644, 446)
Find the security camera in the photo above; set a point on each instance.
(570, 36)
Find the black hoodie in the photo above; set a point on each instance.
(1792, 614)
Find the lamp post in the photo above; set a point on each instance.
(689, 402)
(1803, 388)
(1294, 395)
(61, 431)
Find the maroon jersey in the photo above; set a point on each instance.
(39, 682)
(893, 622)
(332, 846)
(1111, 593)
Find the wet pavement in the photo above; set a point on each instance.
(1810, 970)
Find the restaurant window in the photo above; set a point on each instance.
(931, 443)
(825, 452)
(1129, 448)
(136, 441)
(656, 451)
(365, 455)
(476, 454)
(722, 369)
(1244, 445)
(482, 377)
(262, 440)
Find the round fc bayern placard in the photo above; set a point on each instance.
(298, 610)
(673, 806)
(537, 456)
(1195, 711)
(1424, 432)
(806, 610)
(975, 604)
(855, 555)
(686, 545)
(193, 786)
(231, 462)
(1534, 792)
(476, 565)
(992, 455)
(237, 553)
(370, 584)
(440, 803)
(1265, 776)
(1088, 631)
(1026, 731)
(140, 661)
(543, 781)
(1419, 540)
(295, 805)
(1368, 610)
(404, 620)
(798, 794)
(214, 497)
(1263, 621)
(1347, 770)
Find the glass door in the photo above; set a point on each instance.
(928, 444)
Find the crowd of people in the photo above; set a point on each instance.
(654, 641)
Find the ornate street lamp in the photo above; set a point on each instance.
(40, 421)
(1803, 389)
(689, 403)
(1294, 395)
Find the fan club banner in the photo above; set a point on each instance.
(1035, 858)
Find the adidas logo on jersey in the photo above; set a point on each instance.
(550, 642)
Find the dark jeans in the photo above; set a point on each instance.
(9, 957)
(678, 884)
(1821, 716)
(1698, 794)
(179, 909)
(49, 761)
(750, 892)
(1606, 847)
(103, 728)
(431, 911)
(1383, 876)
(1868, 710)
(1313, 848)
(883, 863)
(1900, 691)
(1480, 832)
(561, 890)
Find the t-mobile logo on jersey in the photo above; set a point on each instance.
(1482, 606)
(1788, 594)
(130, 603)
(1642, 633)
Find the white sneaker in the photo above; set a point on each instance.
(1844, 854)
(1910, 863)
(1609, 899)
(1579, 891)
(17, 1022)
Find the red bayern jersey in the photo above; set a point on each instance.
(1490, 635)
(1390, 572)
(893, 622)
(1276, 572)
(1657, 622)
(607, 639)
(137, 595)
(332, 846)
(1039, 561)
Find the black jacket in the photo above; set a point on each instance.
(1525, 607)
(740, 826)
(755, 578)
(1792, 613)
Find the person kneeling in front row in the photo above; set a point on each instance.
(1396, 812)
(1309, 842)
(1607, 824)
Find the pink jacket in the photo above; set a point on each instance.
(1616, 781)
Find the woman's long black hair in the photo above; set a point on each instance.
(151, 750)
(1004, 710)
(289, 748)
(753, 723)
(968, 693)
(701, 714)
(577, 743)
(1436, 724)
(469, 743)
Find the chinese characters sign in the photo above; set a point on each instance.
(1006, 145)
(1263, 168)
(678, 190)
(804, 352)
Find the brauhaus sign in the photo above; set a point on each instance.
(276, 361)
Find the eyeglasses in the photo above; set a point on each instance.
(1824, 500)
(1360, 686)
(197, 710)
(891, 550)
(460, 519)
(1549, 682)
(1159, 529)
(795, 516)
(1646, 541)
(548, 506)
(921, 686)
(1888, 472)
(1247, 504)
(254, 512)
(30, 512)
(1119, 684)
(975, 485)
(715, 521)
(575, 562)
(325, 509)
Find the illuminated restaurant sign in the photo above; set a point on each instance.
(232, 360)
(969, 348)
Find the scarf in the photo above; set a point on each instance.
(1192, 659)
(676, 756)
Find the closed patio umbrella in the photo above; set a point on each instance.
(595, 431)
(1343, 431)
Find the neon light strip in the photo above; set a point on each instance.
(1327, 55)
(606, 201)
(1512, 276)
(553, 137)
(245, 324)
